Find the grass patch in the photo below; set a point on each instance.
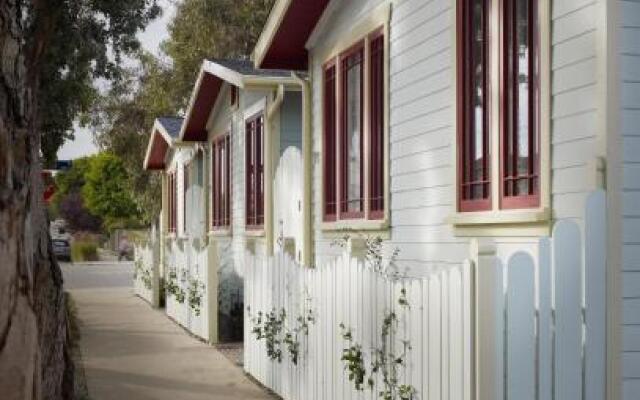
(80, 390)
(82, 250)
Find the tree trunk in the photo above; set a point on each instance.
(34, 358)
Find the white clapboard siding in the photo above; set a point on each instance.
(437, 325)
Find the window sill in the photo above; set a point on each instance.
(220, 232)
(355, 225)
(254, 233)
(534, 222)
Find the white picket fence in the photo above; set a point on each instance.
(436, 324)
(546, 329)
(146, 283)
(530, 326)
(190, 263)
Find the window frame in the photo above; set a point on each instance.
(343, 138)
(531, 200)
(171, 202)
(221, 217)
(465, 109)
(255, 201)
(330, 121)
(367, 218)
(376, 153)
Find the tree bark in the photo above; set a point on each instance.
(34, 356)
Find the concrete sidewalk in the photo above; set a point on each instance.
(132, 352)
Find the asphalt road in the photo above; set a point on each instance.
(107, 274)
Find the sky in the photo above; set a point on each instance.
(83, 143)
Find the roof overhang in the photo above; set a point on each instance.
(207, 89)
(282, 44)
(159, 143)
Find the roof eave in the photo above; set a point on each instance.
(271, 27)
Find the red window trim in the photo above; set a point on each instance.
(233, 96)
(330, 201)
(509, 110)
(338, 179)
(254, 146)
(343, 212)
(376, 195)
(464, 111)
(185, 188)
(171, 201)
(221, 202)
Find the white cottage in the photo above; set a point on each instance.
(491, 143)
(469, 130)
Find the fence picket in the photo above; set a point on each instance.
(595, 297)
(568, 299)
(520, 328)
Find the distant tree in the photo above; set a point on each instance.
(106, 193)
(211, 29)
(77, 216)
(122, 118)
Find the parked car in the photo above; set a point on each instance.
(61, 249)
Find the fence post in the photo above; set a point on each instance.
(483, 253)
(213, 261)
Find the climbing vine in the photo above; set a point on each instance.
(386, 362)
(195, 293)
(172, 286)
(272, 327)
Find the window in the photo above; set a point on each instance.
(329, 144)
(518, 160)
(354, 151)
(221, 182)
(171, 199)
(185, 187)
(474, 157)
(376, 134)
(254, 172)
(520, 142)
(233, 96)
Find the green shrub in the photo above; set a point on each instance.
(84, 251)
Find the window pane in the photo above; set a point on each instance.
(353, 132)
(474, 157)
(520, 138)
(522, 46)
(329, 147)
(376, 141)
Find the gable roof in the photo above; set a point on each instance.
(172, 125)
(213, 73)
(283, 39)
(163, 136)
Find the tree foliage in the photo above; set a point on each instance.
(105, 191)
(211, 29)
(122, 118)
(72, 43)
